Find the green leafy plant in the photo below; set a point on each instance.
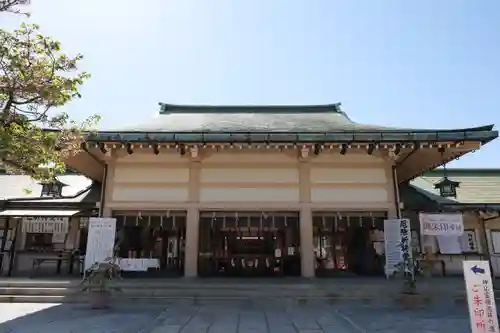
(99, 276)
(408, 269)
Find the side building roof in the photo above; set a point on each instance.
(20, 195)
(478, 188)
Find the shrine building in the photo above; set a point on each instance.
(261, 190)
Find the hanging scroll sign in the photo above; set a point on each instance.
(406, 245)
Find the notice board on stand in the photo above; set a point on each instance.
(100, 240)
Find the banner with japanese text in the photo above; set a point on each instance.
(45, 224)
(398, 244)
(441, 224)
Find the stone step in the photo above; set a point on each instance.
(16, 290)
(33, 283)
(169, 283)
(36, 291)
(207, 290)
(37, 299)
(152, 292)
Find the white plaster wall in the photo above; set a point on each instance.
(145, 194)
(146, 155)
(348, 175)
(357, 195)
(264, 156)
(353, 156)
(236, 175)
(331, 184)
(149, 182)
(148, 174)
(249, 195)
(250, 175)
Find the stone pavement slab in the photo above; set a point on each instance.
(231, 317)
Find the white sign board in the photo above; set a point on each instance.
(138, 264)
(480, 296)
(441, 224)
(100, 240)
(449, 244)
(392, 241)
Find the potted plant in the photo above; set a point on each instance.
(408, 269)
(97, 282)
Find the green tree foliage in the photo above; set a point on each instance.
(35, 79)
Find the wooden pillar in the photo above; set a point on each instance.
(306, 243)
(306, 225)
(485, 246)
(393, 191)
(191, 248)
(107, 188)
(192, 221)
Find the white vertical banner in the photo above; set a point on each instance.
(398, 244)
(100, 240)
(392, 240)
(480, 296)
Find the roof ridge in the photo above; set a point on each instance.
(166, 108)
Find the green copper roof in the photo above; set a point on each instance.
(322, 123)
(315, 118)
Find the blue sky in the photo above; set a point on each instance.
(422, 63)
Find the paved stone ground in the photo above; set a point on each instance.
(231, 317)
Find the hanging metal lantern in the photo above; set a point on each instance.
(447, 188)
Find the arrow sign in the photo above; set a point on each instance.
(477, 270)
(479, 285)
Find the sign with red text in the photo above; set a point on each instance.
(441, 224)
(480, 296)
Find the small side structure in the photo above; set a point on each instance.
(478, 199)
(43, 226)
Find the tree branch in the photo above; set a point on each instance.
(8, 6)
(35, 76)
